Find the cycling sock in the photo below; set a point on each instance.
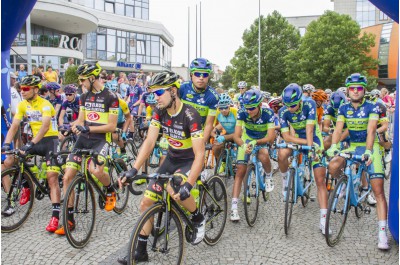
(268, 175)
(234, 203)
(71, 214)
(382, 227)
(283, 174)
(197, 216)
(142, 244)
(56, 210)
(365, 188)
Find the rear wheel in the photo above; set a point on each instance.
(289, 200)
(121, 194)
(251, 200)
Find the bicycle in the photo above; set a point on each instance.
(166, 216)
(299, 180)
(24, 174)
(254, 182)
(80, 192)
(347, 193)
(226, 165)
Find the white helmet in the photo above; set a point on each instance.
(308, 88)
(242, 84)
(343, 89)
(375, 92)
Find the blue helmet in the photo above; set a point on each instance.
(53, 86)
(337, 99)
(356, 79)
(151, 99)
(252, 98)
(201, 64)
(224, 100)
(292, 94)
(70, 89)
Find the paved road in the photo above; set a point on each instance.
(265, 243)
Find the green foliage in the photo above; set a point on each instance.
(331, 50)
(227, 78)
(70, 76)
(278, 38)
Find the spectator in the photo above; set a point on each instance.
(39, 72)
(50, 75)
(389, 102)
(141, 77)
(15, 95)
(148, 78)
(60, 78)
(69, 63)
(103, 77)
(21, 73)
(123, 87)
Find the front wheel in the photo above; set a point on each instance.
(289, 200)
(251, 200)
(162, 246)
(306, 179)
(214, 208)
(122, 194)
(79, 197)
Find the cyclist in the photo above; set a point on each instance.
(308, 89)
(319, 96)
(258, 124)
(225, 122)
(133, 95)
(276, 104)
(361, 117)
(242, 86)
(41, 117)
(231, 92)
(181, 124)
(96, 122)
(301, 116)
(54, 95)
(71, 103)
(200, 95)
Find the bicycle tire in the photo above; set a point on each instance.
(359, 209)
(122, 195)
(215, 213)
(131, 152)
(250, 195)
(306, 179)
(337, 195)
(289, 200)
(18, 218)
(68, 143)
(79, 184)
(156, 213)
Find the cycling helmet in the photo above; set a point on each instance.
(164, 79)
(292, 94)
(151, 99)
(70, 89)
(252, 98)
(52, 86)
(224, 100)
(375, 92)
(319, 95)
(31, 80)
(337, 99)
(356, 79)
(343, 90)
(328, 91)
(89, 68)
(308, 88)
(266, 95)
(131, 76)
(231, 90)
(200, 64)
(275, 103)
(242, 84)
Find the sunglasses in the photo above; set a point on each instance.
(354, 88)
(26, 88)
(200, 74)
(251, 108)
(223, 108)
(241, 87)
(291, 106)
(160, 92)
(68, 95)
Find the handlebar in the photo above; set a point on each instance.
(351, 156)
(295, 146)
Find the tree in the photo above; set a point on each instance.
(70, 75)
(227, 77)
(331, 50)
(278, 37)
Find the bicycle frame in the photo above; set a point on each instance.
(256, 162)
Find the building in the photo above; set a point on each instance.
(117, 33)
(301, 22)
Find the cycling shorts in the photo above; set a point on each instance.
(155, 187)
(43, 148)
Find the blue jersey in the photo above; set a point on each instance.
(357, 119)
(134, 93)
(256, 129)
(241, 102)
(205, 103)
(228, 122)
(306, 114)
(55, 101)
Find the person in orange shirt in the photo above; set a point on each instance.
(50, 75)
(319, 96)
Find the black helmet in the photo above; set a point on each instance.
(164, 79)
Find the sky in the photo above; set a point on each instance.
(223, 23)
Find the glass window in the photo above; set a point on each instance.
(138, 12)
(138, 3)
(91, 54)
(140, 47)
(120, 9)
(111, 56)
(111, 31)
(123, 33)
(109, 7)
(121, 57)
(99, 4)
(110, 43)
(101, 55)
(88, 3)
(102, 30)
(130, 2)
(132, 58)
(302, 31)
(119, 33)
(145, 5)
(53, 61)
(119, 1)
(129, 11)
(148, 48)
(155, 60)
(139, 59)
(145, 14)
(140, 36)
(148, 59)
(101, 42)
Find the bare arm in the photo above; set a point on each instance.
(237, 135)
(61, 118)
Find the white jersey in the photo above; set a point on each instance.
(15, 99)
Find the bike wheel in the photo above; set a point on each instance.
(131, 153)
(121, 194)
(11, 223)
(157, 254)
(214, 210)
(137, 138)
(80, 194)
(251, 200)
(289, 200)
(306, 180)
(153, 162)
(67, 144)
(337, 213)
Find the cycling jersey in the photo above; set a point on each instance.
(227, 122)
(96, 108)
(331, 114)
(357, 119)
(205, 103)
(122, 110)
(73, 105)
(55, 101)
(179, 130)
(241, 102)
(256, 129)
(34, 111)
(144, 97)
(134, 93)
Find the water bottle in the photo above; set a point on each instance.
(35, 170)
(195, 192)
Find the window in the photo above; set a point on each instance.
(101, 42)
(129, 11)
(383, 16)
(119, 9)
(99, 4)
(109, 7)
(138, 12)
(302, 31)
(140, 47)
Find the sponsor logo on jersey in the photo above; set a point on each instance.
(156, 187)
(175, 143)
(93, 116)
(189, 95)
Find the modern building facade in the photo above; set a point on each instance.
(117, 33)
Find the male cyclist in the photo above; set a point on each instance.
(308, 89)
(319, 96)
(242, 86)
(96, 122)
(41, 117)
(181, 124)
(54, 95)
(361, 117)
(259, 129)
(301, 116)
(200, 95)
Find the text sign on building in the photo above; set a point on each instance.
(129, 65)
(74, 43)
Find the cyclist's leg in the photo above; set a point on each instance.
(265, 160)
(217, 149)
(283, 162)
(327, 142)
(7, 163)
